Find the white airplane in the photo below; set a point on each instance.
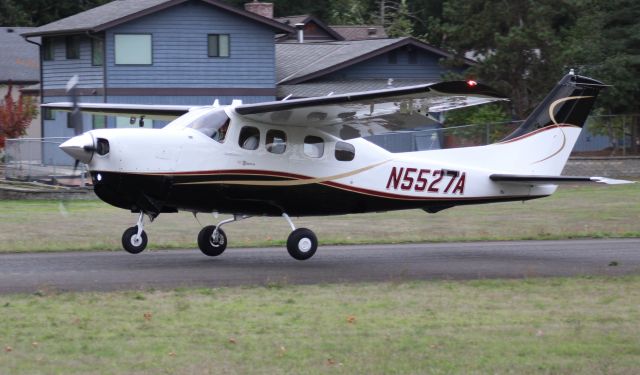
(306, 157)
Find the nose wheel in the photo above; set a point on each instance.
(134, 239)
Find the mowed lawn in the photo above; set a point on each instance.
(573, 212)
(553, 326)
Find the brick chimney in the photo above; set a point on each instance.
(262, 9)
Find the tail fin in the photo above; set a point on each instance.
(569, 103)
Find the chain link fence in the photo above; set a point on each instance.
(40, 159)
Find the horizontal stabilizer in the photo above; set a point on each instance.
(554, 180)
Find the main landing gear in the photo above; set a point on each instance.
(302, 243)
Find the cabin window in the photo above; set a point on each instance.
(98, 122)
(249, 138)
(213, 124)
(276, 142)
(97, 52)
(345, 151)
(219, 45)
(47, 46)
(133, 49)
(73, 47)
(313, 146)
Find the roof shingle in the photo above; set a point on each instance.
(119, 11)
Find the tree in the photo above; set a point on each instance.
(398, 23)
(41, 12)
(517, 43)
(15, 117)
(349, 12)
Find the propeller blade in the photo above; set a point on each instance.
(76, 115)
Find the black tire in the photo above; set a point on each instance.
(207, 244)
(132, 246)
(302, 244)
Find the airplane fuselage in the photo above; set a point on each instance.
(165, 170)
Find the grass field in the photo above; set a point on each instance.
(573, 212)
(555, 326)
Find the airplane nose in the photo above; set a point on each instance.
(80, 147)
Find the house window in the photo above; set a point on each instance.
(70, 121)
(218, 45)
(393, 57)
(97, 52)
(133, 49)
(249, 138)
(345, 151)
(413, 56)
(48, 114)
(99, 122)
(276, 142)
(133, 122)
(73, 47)
(47, 47)
(313, 146)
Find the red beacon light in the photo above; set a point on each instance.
(472, 83)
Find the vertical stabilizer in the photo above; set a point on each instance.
(569, 103)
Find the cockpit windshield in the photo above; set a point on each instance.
(212, 122)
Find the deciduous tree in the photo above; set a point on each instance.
(15, 116)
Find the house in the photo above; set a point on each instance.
(315, 30)
(157, 51)
(195, 51)
(317, 69)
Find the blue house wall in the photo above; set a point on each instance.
(180, 56)
(57, 72)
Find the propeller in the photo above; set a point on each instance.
(75, 115)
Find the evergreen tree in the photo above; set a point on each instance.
(517, 43)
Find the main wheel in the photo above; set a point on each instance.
(132, 243)
(302, 244)
(209, 244)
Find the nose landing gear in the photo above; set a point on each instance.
(134, 239)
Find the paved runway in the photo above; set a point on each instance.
(78, 271)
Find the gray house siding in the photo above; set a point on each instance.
(426, 67)
(56, 72)
(180, 58)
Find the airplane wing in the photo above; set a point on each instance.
(553, 180)
(154, 112)
(372, 112)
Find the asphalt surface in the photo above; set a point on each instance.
(103, 271)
